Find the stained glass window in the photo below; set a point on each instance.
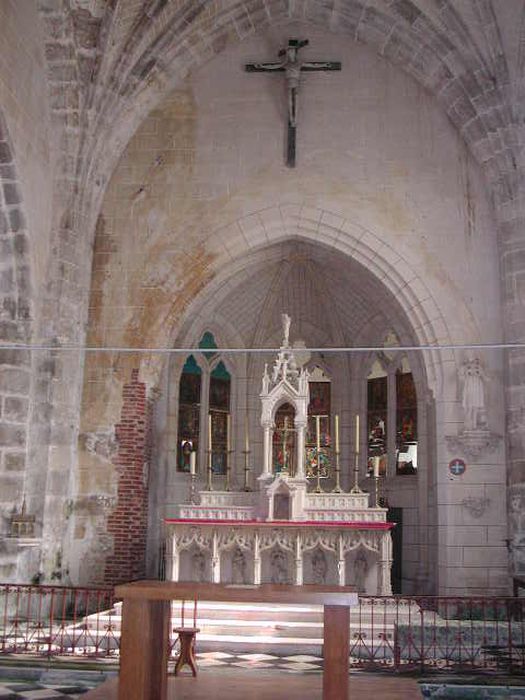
(208, 344)
(406, 421)
(319, 412)
(219, 407)
(189, 413)
(377, 420)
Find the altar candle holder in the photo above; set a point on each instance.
(209, 486)
(337, 488)
(246, 454)
(227, 485)
(355, 487)
(318, 488)
(376, 479)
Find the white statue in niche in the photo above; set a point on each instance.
(474, 394)
(279, 566)
(238, 566)
(198, 566)
(360, 571)
(319, 566)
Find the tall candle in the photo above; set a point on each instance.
(318, 434)
(376, 466)
(357, 433)
(209, 432)
(246, 435)
(228, 432)
(193, 462)
(337, 432)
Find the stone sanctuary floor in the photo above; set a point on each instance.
(222, 676)
(265, 684)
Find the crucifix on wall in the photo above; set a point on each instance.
(292, 67)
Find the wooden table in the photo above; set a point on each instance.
(146, 612)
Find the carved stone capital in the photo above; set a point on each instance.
(474, 443)
(476, 506)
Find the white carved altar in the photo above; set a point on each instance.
(287, 530)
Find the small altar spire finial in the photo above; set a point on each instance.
(266, 379)
(286, 329)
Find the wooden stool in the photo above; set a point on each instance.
(187, 648)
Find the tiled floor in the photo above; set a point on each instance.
(298, 663)
(71, 689)
(266, 684)
(27, 690)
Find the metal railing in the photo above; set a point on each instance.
(425, 633)
(401, 633)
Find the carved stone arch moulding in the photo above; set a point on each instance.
(194, 535)
(231, 539)
(277, 537)
(370, 541)
(329, 541)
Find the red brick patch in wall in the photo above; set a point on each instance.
(127, 524)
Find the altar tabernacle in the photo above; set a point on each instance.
(288, 530)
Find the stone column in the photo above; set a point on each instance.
(215, 560)
(267, 451)
(256, 560)
(298, 561)
(385, 563)
(172, 563)
(341, 563)
(301, 429)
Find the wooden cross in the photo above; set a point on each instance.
(292, 67)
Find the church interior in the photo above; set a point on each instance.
(263, 295)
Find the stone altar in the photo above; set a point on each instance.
(286, 531)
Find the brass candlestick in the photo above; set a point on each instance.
(209, 473)
(318, 488)
(246, 454)
(337, 488)
(355, 487)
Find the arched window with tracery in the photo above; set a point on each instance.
(219, 416)
(406, 420)
(318, 434)
(189, 413)
(204, 408)
(377, 419)
(392, 420)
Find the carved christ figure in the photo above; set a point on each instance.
(292, 68)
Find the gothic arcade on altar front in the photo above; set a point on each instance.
(287, 520)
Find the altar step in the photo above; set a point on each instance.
(284, 629)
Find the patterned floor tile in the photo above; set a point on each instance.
(258, 657)
(24, 690)
(300, 666)
(303, 657)
(41, 694)
(204, 663)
